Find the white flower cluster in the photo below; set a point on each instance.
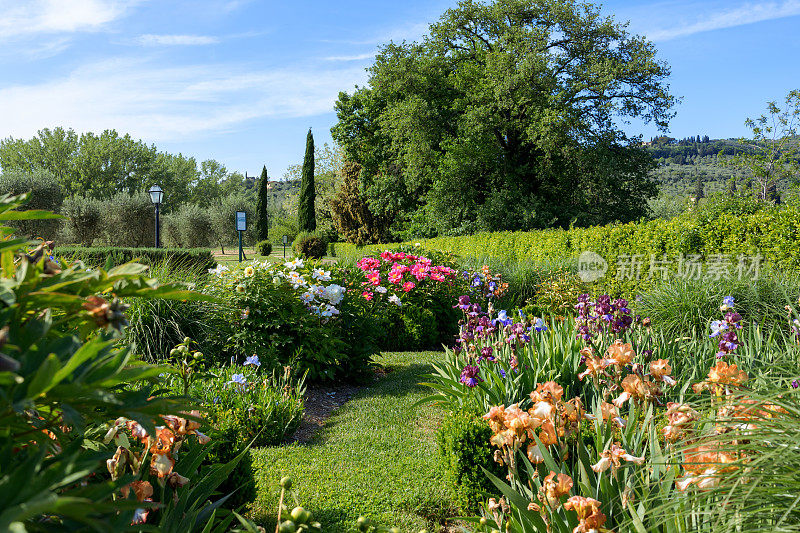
(312, 284)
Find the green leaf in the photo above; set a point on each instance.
(43, 379)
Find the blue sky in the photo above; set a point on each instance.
(241, 81)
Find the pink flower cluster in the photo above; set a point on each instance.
(403, 271)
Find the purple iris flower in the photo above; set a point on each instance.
(717, 327)
(486, 352)
(502, 318)
(469, 376)
(239, 379)
(463, 303)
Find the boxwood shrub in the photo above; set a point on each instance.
(264, 248)
(464, 448)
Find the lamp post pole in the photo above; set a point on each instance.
(158, 227)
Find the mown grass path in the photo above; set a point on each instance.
(376, 456)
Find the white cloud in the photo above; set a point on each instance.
(58, 16)
(359, 57)
(737, 16)
(38, 49)
(166, 104)
(168, 40)
(406, 32)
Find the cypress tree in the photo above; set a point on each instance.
(262, 216)
(699, 192)
(306, 217)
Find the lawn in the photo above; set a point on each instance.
(231, 255)
(376, 456)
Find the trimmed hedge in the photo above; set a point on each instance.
(201, 258)
(720, 229)
(465, 451)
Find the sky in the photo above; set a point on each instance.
(241, 81)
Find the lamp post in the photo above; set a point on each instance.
(156, 196)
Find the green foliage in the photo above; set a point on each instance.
(682, 306)
(311, 245)
(419, 328)
(264, 411)
(62, 380)
(84, 220)
(551, 355)
(351, 215)
(413, 312)
(455, 136)
(284, 226)
(262, 312)
(45, 192)
(129, 220)
(193, 258)
(157, 325)
(223, 220)
(763, 501)
(100, 165)
(306, 211)
(264, 248)
(775, 155)
(195, 226)
(556, 294)
(463, 440)
(262, 212)
(375, 457)
(732, 227)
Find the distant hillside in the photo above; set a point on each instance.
(280, 191)
(682, 161)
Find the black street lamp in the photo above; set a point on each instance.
(156, 196)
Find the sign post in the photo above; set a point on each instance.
(241, 227)
(285, 242)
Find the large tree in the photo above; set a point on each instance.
(306, 214)
(774, 150)
(262, 207)
(506, 116)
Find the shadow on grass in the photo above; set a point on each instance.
(401, 381)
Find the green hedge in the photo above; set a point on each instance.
(201, 258)
(734, 230)
(465, 451)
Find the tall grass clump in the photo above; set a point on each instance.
(156, 326)
(680, 306)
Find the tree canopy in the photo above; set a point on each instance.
(102, 165)
(506, 116)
